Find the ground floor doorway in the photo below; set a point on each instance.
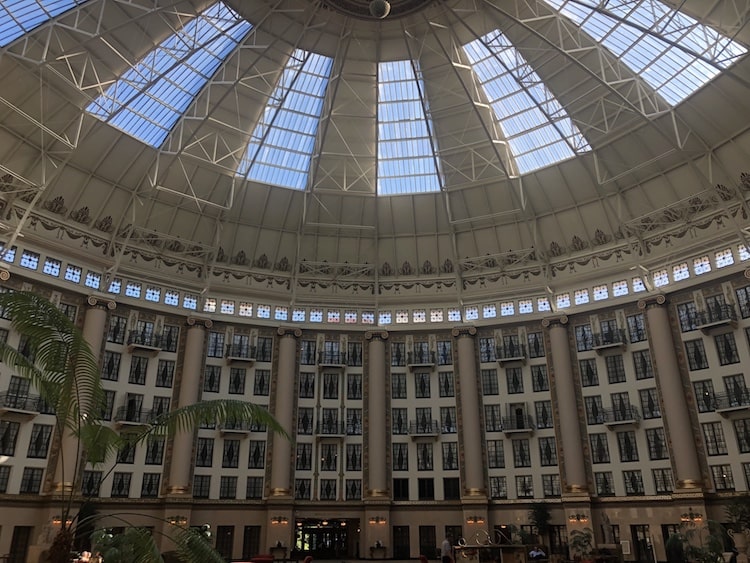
(335, 538)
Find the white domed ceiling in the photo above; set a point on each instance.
(275, 146)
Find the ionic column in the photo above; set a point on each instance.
(471, 430)
(281, 459)
(376, 414)
(192, 370)
(676, 413)
(567, 407)
(94, 327)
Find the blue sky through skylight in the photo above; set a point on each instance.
(150, 97)
(672, 71)
(534, 123)
(21, 16)
(406, 161)
(280, 149)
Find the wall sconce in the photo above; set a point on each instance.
(475, 520)
(377, 520)
(177, 520)
(583, 518)
(57, 520)
(691, 517)
(279, 520)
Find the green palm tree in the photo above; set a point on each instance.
(59, 363)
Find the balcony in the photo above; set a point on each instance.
(511, 352)
(240, 353)
(146, 341)
(330, 429)
(610, 339)
(129, 416)
(519, 424)
(715, 318)
(424, 428)
(734, 402)
(331, 359)
(624, 415)
(420, 358)
(235, 428)
(20, 403)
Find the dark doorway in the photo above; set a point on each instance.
(401, 546)
(326, 539)
(19, 544)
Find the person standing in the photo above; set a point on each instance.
(446, 549)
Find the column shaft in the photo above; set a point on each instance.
(376, 425)
(284, 412)
(471, 431)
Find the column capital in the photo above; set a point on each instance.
(652, 301)
(101, 301)
(457, 331)
(376, 335)
(4, 275)
(289, 331)
(560, 320)
(197, 322)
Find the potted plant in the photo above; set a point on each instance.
(582, 544)
(539, 517)
(738, 516)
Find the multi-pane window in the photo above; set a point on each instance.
(642, 364)
(117, 329)
(400, 456)
(303, 460)
(657, 443)
(228, 487)
(353, 421)
(551, 486)
(328, 489)
(599, 448)
(489, 382)
(31, 480)
(495, 454)
(663, 481)
(231, 454)
(514, 379)
(204, 452)
(594, 409)
(329, 423)
(722, 477)
(487, 350)
(627, 446)
(743, 300)
(126, 453)
(256, 458)
(493, 419)
(536, 344)
(446, 383)
(621, 406)
(584, 338)
(451, 488)
(108, 405)
(155, 451)
(8, 436)
(543, 414)
(450, 455)
(422, 385)
(687, 313)
(354, 386)
(264, 349)
(498, 488)
(736, 389)
(237, 381)
(524, 486)
(726, 348)
(547, 451)
(330, 385)
(742, 430)
(704, 395)
(426, 489)
(399, 421)
(444, 353)
(201, 486)
(605, 484)
(307, 352)
(90, 483)
(328, 456)
(304, 420)
(589, 376)
(696, 354)
(521, 453)
(111, 365)
(539, 380)
(121, 485)
(306, 385)
(138, 367)
(150, 485)
(215, 344)
(401, 489)
(713, 434)
(262, 383)
(165, 373)
(354, 457)
(633, 482)
(354, 354)
(448, 420)
(170, 337)
(39, 442)
(636, 328)
(212, 379)
(398, 354)
(160, 406)
(398, 386)
(424, 456)
(615, 368)
(649, 403)
(254, 488)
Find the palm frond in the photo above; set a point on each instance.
(99, 440)
(192, 547)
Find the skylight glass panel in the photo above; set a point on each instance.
(150, 97)
(406, 152)
(675, 57)
(538, 129)
(18, 17)
(281, 146)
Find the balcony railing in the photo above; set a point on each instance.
(130, 415)
(331, 358)
(424, 427)
(21, 402)
(236, 427)
(623, 414)
(141, 339)
(610, 339)
(330, 428)
(510, 352)
(715, 316)
(738, 399)
(241, 352)
(519, 423)
(420, 357)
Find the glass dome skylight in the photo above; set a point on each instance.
(21, 16)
